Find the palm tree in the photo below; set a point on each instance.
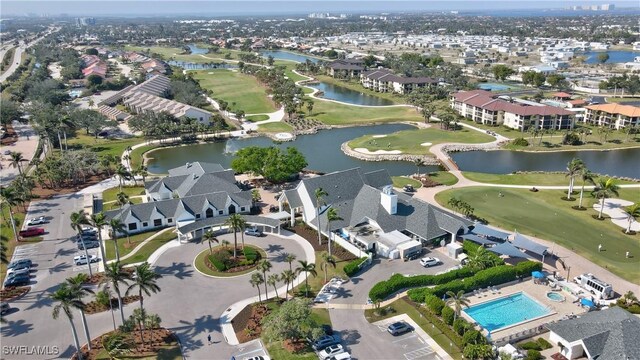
(574, 168)
(67, 299)
(264, 266)
(481, 259)
(287, 276)
(288, 257)
(115, 275)
(605, 188)
(225, 243)
(273, 281)
(587, 177)
(319, 195)
(458, 300)
(633, 213)
(122, 199)
(327, 260)
(16, 159)
(210, 237)
(122, 174)
(307, 268)
(76, 287)
(8, 196)
(257, 280)
(99, 221)
(418, 163)
(117, 344)
(78, 219)
(116, 227)
(142, 172)
(332, 215)
(144, 278)
(234, 223)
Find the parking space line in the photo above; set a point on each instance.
(419, 353)
(405, 338)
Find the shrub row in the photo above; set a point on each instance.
(217, 263)
(488, 277)
(444, 328)
(250, 254)
(470, 248)
(539, 345)
(400, 282)
(353, 266)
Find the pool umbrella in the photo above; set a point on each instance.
(587, 302)
(537, 274)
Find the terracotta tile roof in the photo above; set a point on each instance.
(485, 100)
(561, 95)
(626, 110)
(577, 102)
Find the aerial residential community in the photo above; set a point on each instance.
(333, 180)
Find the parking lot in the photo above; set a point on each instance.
(409, 346)
(249, 350)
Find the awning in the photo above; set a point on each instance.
(537, 274)
(219, 221)
(480, 229)
(509, 250)
(587, 302)
(522, 242)
(477, 239)
(280, 215)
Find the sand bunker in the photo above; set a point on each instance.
(378, 152)
(379, 136)
(426, 144)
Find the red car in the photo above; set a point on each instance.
(33, 231)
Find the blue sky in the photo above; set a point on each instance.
(257, 7)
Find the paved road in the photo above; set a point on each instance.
(17, 57)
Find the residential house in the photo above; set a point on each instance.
(614, 116)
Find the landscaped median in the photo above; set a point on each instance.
(126, 246)
(220, 262)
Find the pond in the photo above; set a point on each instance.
(616, 162)
(197, 50)
(322, 151)
(615, 57)
(201, 66)
(287, 55)
(343, 94)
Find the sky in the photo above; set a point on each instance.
(271, 7)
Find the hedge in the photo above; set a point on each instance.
(400, 282)
(470, 248)
(434, 303)
(353, 266)
(448, 315)
(444, 328)
(250, 253)
(217, 263)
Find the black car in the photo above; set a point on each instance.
(399, 328)
(88, 245)
(327, 329)
(323, 342)
(19, 263)
(412, 256)
(17, 280)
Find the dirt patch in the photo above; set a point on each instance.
(13, 292)
(11, 137)
(47, 192)
(311, 236)
(94, 307)
(295, 346)
(99, 277)
(248, 323)
(155, 340)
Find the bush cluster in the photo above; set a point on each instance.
(218, 263)
(520, 142)
(250, 254)
(539, 345)
(353, 266)
(400, 282)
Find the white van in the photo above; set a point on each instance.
(341, 356)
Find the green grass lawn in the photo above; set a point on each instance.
(553, 141)
(235, 87)
(401, 181)
(543, 214)
(277, 351)
(356, 86)
(7, 238)
(174, 53)
(257, 117)
(539, 179)
(149, 248)
(293, 76)
(409, 141)
(111, 194)
(102, 146)
(137, 155)
(332, 113)
(316, 283)
(443, 177)
(275, 127)
(125, 247)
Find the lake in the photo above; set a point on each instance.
(197, 50)
(201, 66)
(286, 55)
(343, 94)
(615, 56)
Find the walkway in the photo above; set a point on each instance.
(27, 144)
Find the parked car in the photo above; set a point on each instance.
(413, 255)
(37, 221)
(408, 188)
(330, 351)
(88, 245)
(327, 329)
(86, 237)
(429, 261)
(86, 229)
(4, 308)
(19, 263)
(25, 270)
(17, 280)
(255, 358)
(32, 231)
(399, 328)
(253, 231)
(340, 356)
(82, 259)
(323, 342)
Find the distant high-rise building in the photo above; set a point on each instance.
(85, 21)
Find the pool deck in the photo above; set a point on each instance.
(537, 292)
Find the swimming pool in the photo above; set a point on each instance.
(506, 311)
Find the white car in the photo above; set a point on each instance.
(37, 221)
(253, 231)
(429, 261)
(82, 259)
(330, 351)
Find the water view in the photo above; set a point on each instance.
(340, 93)
(197, 50)
(286, 55)
(201, 66)
(615, 57)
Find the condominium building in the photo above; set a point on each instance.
(615, 116)
(383, 80)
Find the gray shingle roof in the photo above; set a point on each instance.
(377, 179)
(198, 168)
(219, 220)
(196, 183)
(293, 198)
(609, 334)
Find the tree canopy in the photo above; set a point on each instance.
(272, 163)
(292, 321)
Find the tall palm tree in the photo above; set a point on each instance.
(319, 194)
(633, 213)
(287, 276)
(332, 215)
(574, 168)
(288, 257)
(75, 284)
(16, 159)
(122, 199)
(210, 238)
(306, 268)
(144, 278)
(273, 281)
(327, 260)
(265, 266)
(243, 226)
(142, 172)
(122, 173)
(116, 227)
(78, 219)
(234, 223)
(67, 299)
(99, 221)
(418, 163)
(458, 301)
(8, 196)
(115, 275)
(587, 177)
(605, 188)
(257, 280)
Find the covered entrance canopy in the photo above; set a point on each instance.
(480, 229)
(508, 249)
(477, 239)
(524, 243)
(191, 230)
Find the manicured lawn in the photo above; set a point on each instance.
(316, 283)
(443, 177)
(102, 146)
(125, 247)
(539, 179)
(137, 155)
(543, 214)
(242, 92)
(257, 117)
(149, 248)
(409, 141)
(275, 127)
(174, 53)
(401, 306)
(7, 237)
(401, 181)
(202, 267)
(293, 76)
(332, 113)
(356, 86)
(111, 194)
(113, 205)
(276, 351)
(321, 316)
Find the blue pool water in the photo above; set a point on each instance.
(497, 314)
(493, 87)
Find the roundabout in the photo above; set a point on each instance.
(222, 256)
